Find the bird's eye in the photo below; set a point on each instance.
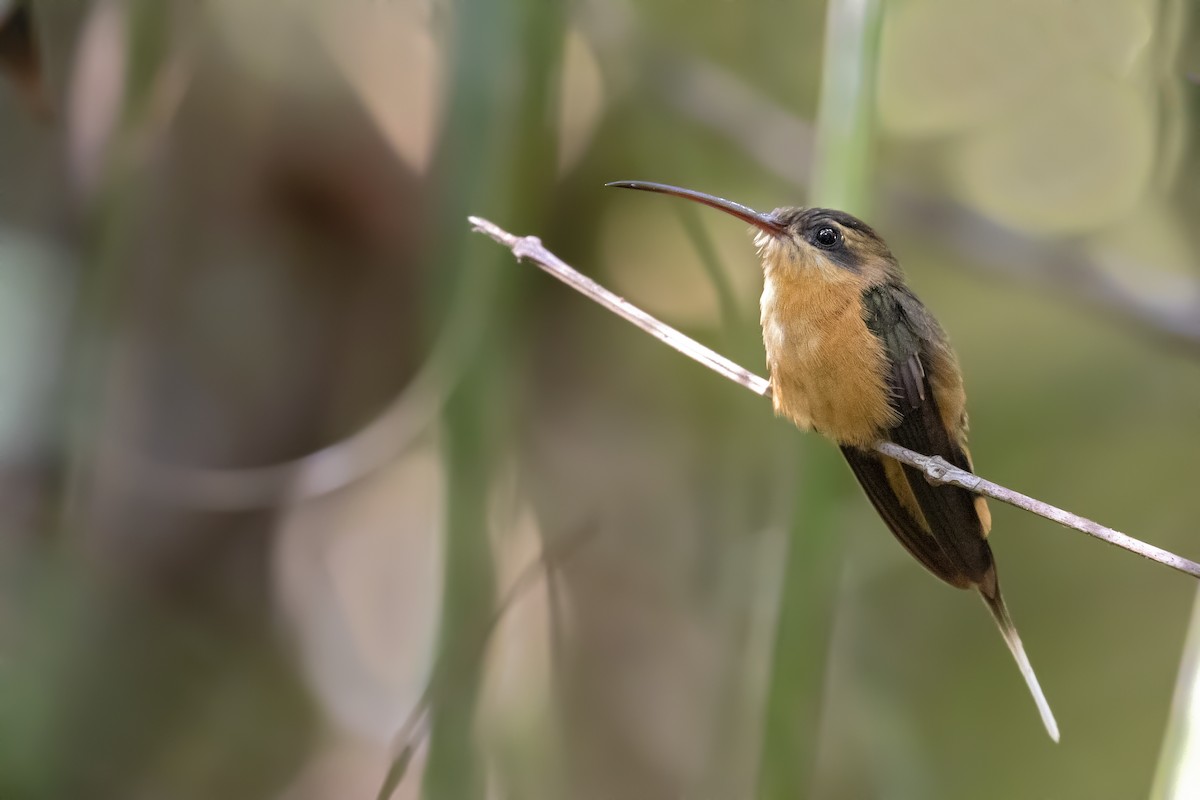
(827, 238)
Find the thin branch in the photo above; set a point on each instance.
(936, 470)
(416, 725)
(530, 247)
(939, 471)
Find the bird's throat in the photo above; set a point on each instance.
(827, 368)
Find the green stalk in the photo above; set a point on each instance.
(727, 302)
(841, 180)
(494, 155)
(481, 35)
(109, 227)
(797, 677)
(845, 117)
(1178, 773)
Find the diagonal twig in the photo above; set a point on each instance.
(416, 725)
(936, 469)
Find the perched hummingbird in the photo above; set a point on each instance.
(854, 355)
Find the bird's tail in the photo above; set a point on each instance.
(1008, 630)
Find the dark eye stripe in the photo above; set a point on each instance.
(845, 258)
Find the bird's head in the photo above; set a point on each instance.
(792, 240)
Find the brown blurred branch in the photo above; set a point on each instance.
(771, 135)
(1171, 315)
(936, 470)
(327, 470)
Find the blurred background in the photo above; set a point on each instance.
(304, 482)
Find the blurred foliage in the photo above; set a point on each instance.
(276, 429)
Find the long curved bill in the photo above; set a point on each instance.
(764, 222)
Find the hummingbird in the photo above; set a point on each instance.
(854, 355)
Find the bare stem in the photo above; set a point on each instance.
(531, 248)
(416, 725)
(936, 470)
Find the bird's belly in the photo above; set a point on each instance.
(828, 374)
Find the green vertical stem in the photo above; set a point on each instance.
(454, 768)
(479, 40)
(845, 117)
(797, 677)
(109, 239)
(841, 180)
(496, 153)
(727, 301)
(1178, 773)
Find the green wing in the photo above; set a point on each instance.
(951, 521)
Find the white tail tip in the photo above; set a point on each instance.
(1009, 631)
